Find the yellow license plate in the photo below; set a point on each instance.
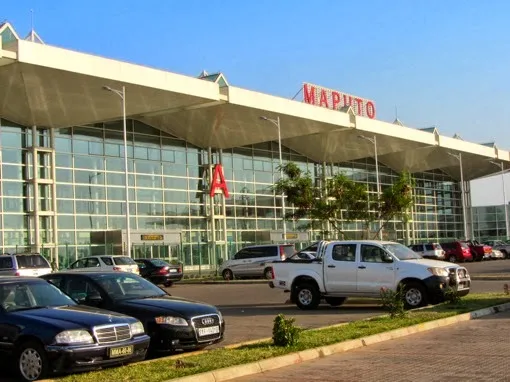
(120, 351)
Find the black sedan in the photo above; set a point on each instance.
(46, 331)
(159, 271)
(172, 323)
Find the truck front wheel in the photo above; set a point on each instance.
(307, 296)
(414, 295)
(335, 301)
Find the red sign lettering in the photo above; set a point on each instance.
(218, 181)
(335, 100)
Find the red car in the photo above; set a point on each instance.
(457, 251)
(479, 251)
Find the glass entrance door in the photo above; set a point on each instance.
(151, 251)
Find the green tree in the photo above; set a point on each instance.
(340, 199)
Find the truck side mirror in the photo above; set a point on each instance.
(387, 258)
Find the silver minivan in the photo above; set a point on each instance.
(250, 261)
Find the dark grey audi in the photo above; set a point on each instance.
(173, 323)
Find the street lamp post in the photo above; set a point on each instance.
(122, 95)
(276, 122)
(374, 142)
(463, 201)
(501, 165)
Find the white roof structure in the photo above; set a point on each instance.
(48, 86)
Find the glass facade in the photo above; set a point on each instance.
(489, 222)
(80, 178)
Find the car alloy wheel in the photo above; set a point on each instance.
(31, 361)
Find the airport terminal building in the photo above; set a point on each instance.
(200, 159)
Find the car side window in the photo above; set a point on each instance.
(372, 254)
(92, 263)
(344, 252)
(141, 264)
(57, 281)
(107, 260)
(241, 255)
(79, 288)
(78, 264)
(429, 247)
(5, 263)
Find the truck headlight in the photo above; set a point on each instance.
(169, 320)
(438, 271)
(74, 337)
(137, 328)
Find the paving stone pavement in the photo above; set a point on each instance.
(477, 350)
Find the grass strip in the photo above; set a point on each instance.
(164, 369)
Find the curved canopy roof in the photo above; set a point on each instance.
(53, 87)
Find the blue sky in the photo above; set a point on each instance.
(443, 63)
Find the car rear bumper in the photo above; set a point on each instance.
(161, 279)
(89, 357)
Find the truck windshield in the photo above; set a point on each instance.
(401, 252)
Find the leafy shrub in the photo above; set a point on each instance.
(393, 301)
(285, 333)
(451, 295)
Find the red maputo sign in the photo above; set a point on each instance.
(218, 181)
(335, 100)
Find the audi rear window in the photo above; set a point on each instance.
(123, 261)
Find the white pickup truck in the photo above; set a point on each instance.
(361, 268)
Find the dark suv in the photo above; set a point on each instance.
(251, 261)
(457, 251)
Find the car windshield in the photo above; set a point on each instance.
(31, 295)
(401, 252)
(124, 286)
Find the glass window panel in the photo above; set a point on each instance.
(12, 221)
(141, 153)
(12, 188)
(153, 181)
(64, 191)
(115, 164)
(65, 206)
(88, 162)
(90, 192)
(115, 179)
(63, 145)
(149, 195)
(177, 223)
(176, 196)
(176, 183)
(112, 149)
(180, 157)
(11, 155)
(11, 139)
(96, 148)
(64, 160)
(116, 193)
(64, 175)
(12, 204)
(12, 171)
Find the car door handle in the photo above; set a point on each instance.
(362, 267)
(390, 268)
(331, 266)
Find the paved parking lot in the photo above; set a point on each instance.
(468, 351)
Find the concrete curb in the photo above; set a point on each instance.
(232, 372)
(491, 278)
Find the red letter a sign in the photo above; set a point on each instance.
(218, 181)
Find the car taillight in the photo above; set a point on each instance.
(179, 270)
(282, 253)
(17, 274)
(117, 269)
(435, 246)
(272, 273)
(163, 271)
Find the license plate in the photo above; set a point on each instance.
(173, 270)
(120, 351)
(208, 331)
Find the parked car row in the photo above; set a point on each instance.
(461, 250)
(83, 319)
